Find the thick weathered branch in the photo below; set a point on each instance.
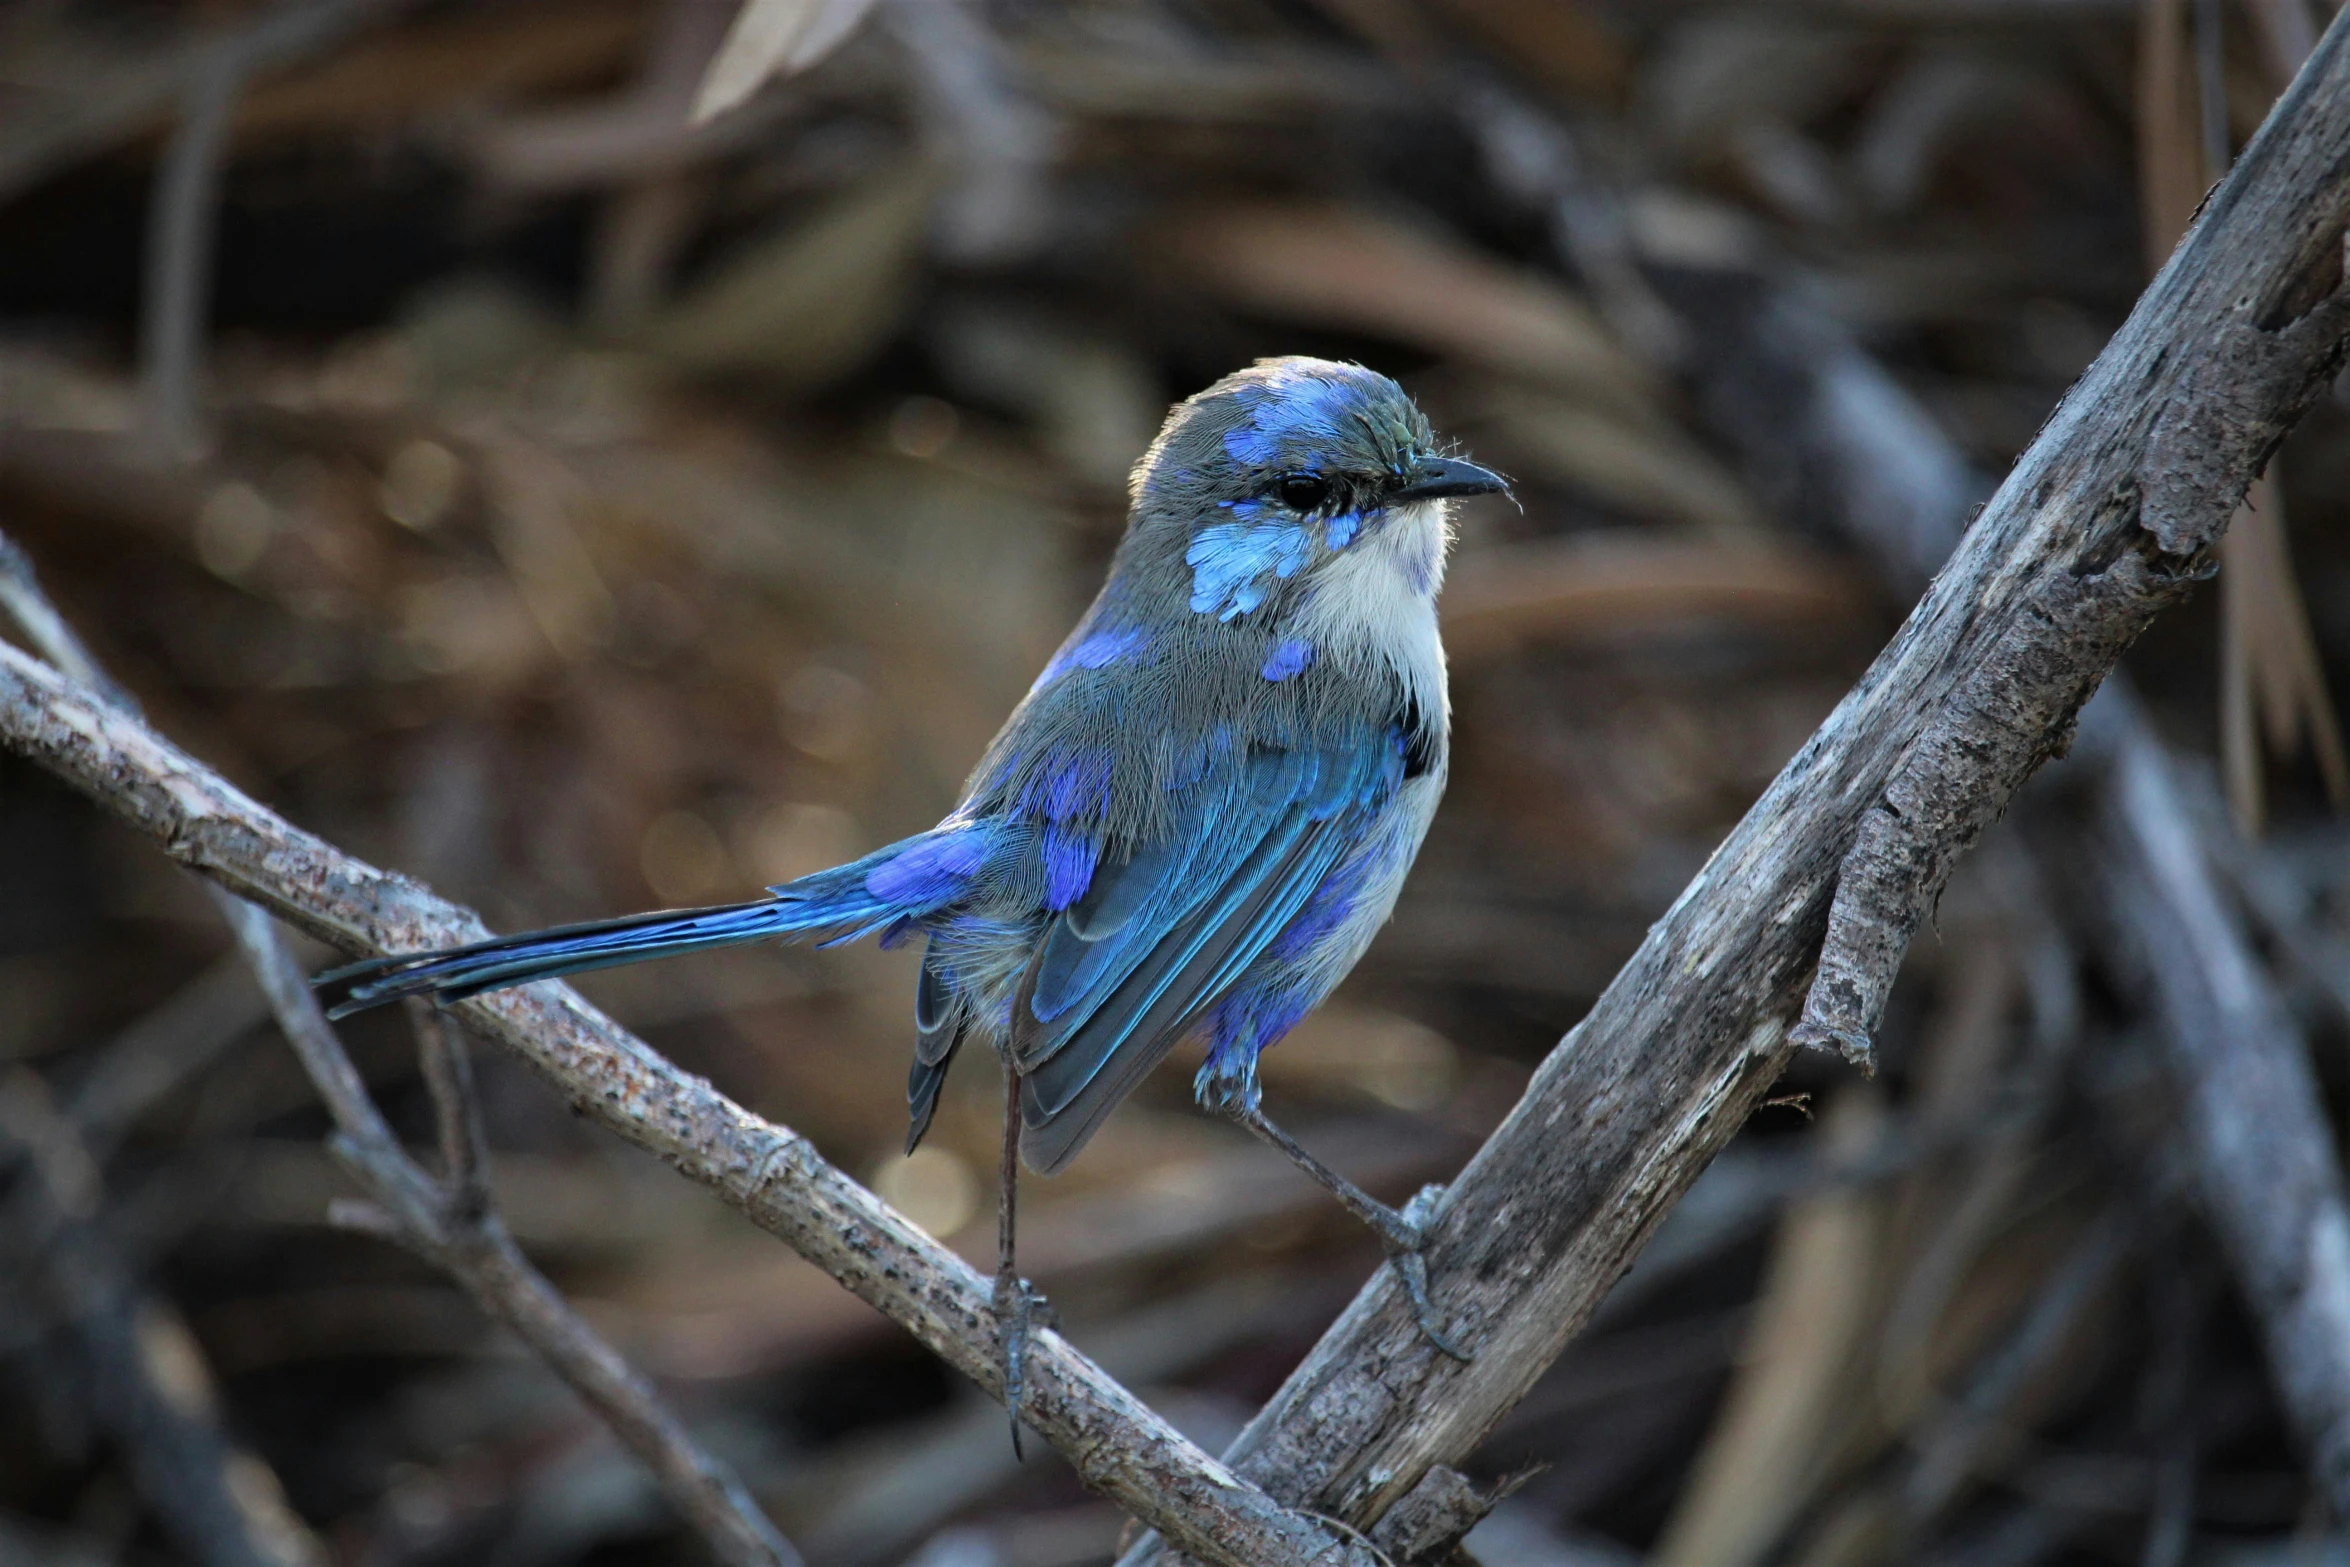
(1115, 1442)
(2011, 714)
(2106, 518)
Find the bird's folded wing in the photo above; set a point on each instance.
(1162, 934)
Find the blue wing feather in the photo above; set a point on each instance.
(939, 1025)
(1133, 904)
(1125, 973)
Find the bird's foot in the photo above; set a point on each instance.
(1404, 1235)
(1020, 1309)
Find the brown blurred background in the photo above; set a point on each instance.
(585, 509)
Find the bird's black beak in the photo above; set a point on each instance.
(1436, 477)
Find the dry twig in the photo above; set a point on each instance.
(2262, 1153)
(451, 1223)
(95, 115)
(180, 226)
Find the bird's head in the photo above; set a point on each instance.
(1276, 472)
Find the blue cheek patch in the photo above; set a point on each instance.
(1343, 529)
(1292, 657)
(1231, 562)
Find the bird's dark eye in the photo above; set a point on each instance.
(1304, 491)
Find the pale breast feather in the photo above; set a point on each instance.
(1375, 604)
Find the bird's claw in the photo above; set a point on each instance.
(1405, 1237)
(1019, 1311)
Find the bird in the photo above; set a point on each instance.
(1192, 824)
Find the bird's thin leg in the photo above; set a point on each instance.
(1015, 1302)
(1399, 1233)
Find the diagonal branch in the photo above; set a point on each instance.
(453, 1227)
(2109, 516)
(1116, 1443)
(450, 1223)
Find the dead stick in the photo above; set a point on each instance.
(1116, 1443)
(2257, 1138)
(181, 222)
(454, 1225)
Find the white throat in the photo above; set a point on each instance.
(1375, 602)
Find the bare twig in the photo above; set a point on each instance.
(453, 1225)
(996, 138)
(2105, 518)
(88, 117)
(181, 222)
(161, 1050)
(1117, 1444)
(2264, 1159)
(448, 1075)
(1978, 1422)
(147, 1380)
(1536, 160)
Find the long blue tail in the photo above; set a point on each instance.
(838, 901)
